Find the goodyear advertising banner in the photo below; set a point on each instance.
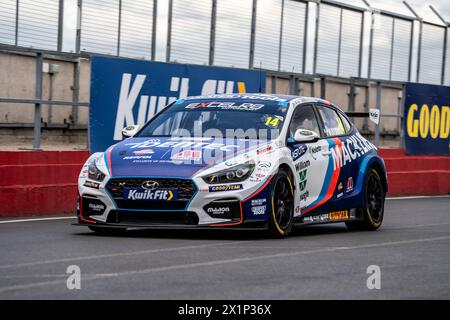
(127, 92)
(427, 119)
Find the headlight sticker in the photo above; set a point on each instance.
(91, 184)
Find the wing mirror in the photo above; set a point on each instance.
(304, 135)
(129, 131)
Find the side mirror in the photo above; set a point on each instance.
(304, 135)
(129, 131)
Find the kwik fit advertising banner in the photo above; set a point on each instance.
(127, 92)
(427, 119)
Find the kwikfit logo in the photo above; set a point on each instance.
(149, 105)
(155, 195)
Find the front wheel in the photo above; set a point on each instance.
(282, 213)
(373, 210)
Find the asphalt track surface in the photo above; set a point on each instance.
(412, 250)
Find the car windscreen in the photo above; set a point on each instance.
(225, 118)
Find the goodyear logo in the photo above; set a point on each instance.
(428, 121)
(225, 188)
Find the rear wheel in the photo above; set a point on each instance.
(282, 213)
(373, 210)
(108, 231)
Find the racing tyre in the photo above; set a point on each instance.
(282, 205)
(373, 210)
(108, 231)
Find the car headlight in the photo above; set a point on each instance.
(94, 173)
(233, 174)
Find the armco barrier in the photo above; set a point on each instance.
(44, 182)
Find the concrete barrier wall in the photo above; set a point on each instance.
(45, 182)
(18, 81)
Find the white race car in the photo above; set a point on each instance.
(247, 161)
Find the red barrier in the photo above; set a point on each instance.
(45, 182)
(39, 182)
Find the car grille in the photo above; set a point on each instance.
(185, 191)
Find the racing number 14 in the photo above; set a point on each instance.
(271, 121)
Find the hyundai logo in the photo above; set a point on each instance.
(150, 184)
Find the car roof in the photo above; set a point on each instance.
(282, 99)
(247, 96)
(258, 96)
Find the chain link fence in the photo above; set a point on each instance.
(296, 39)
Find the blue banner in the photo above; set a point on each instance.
(127, 92)
(427, 119)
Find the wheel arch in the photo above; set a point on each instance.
(378, 166)
(288, 169)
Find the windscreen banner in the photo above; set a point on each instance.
(127, 92)
(427, 119)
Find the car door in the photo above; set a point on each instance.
(336, 129)
(309, 160)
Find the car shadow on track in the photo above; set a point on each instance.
(196, 234)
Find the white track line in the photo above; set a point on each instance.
(36, 219)
(219, 262)
(113, 255)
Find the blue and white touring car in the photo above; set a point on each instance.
(245, 161)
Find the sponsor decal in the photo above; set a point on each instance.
(230, 187)
(303, 180)
(180, 144)
(264, 150)
(297, 209)
(258, 202)
(338, 215)
(96, 207)
(264, 164)
(122, 152)
(304, 196)
(302, 165)
(298, 152)
(218, 210)
(150, 195)
(91, 184)
(339, 190)
(349, 187)
(263, 97)
(350, 149)
(138, 158)
(257, 177)
(225, 106)
(258, 210)
(188, 155)
(313, 151)
(143, 152)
